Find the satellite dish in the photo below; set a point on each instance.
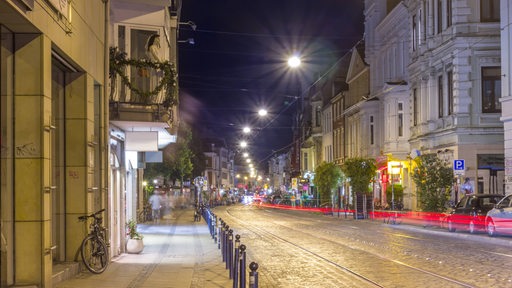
(415, 153)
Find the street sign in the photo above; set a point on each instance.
(458, 166)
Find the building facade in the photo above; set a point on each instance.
(455, 86)
(54, 119)
(387, 52)
(143, 98)
(506, 88)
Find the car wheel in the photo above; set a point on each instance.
(451, 226)
(491, 228)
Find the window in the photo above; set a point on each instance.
(305, 160)
(424, 23)
(449, 86)
(372, 132)
(400, 119)
(318, 115)
(440, 96)
(491, 89)
(439, 16)
(490, 10)
(448, 13)
(414, 33)
(415, 106)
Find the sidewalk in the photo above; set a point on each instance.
(177, 253)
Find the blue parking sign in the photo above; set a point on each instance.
(458, 165)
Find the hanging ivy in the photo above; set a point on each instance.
(118, 63)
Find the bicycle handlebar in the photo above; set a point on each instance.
(83, 218)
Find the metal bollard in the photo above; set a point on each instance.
(253, 275)
(224, 242)
(236, 261)
(214, 228)
(220, 232)
(242, 265)
(229, 259)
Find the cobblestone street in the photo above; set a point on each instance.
(310, 250)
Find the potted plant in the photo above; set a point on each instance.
(134, 244)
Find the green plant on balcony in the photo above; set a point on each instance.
(119, 62)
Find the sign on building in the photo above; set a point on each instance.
(459, 167)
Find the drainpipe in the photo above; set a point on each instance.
(104, 146)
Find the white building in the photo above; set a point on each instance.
(279, 171)
(455, 86)
(506, 87)
(435, 69)
(387, 52)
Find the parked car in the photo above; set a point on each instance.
(469, 214)
(499, 219)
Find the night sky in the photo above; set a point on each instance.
(238, 63)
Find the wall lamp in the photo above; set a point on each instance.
(189, 23)
(189, 41)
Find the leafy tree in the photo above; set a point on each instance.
(327, 177)
(178, 156)
(177, 159)
(361, 172)
(433, 178)
(198, 159)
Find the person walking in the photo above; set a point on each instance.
(155, 200)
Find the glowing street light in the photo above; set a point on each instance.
(294, 61)
(246, 130)
(262, 112)
(243, 144)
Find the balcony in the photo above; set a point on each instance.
(142, 90)
(143, 95)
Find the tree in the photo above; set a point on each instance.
(327, 177)
(361, 172)
(177, 159)
(433, 178)
(198, 159)
(178, 156)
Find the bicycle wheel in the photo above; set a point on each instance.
(94, 254)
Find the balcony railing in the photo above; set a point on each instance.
(142, 82)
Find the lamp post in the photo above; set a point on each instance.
(294, 62)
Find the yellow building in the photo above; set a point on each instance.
(54, 147)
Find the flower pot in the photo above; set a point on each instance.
(134, 246)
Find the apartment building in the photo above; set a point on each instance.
(435, 67)
(143, 98)
(54, 123)
(506, 87)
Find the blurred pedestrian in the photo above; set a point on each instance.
(467, 188)
(155, 200)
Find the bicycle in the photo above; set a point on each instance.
(94, 248)
(145, 214)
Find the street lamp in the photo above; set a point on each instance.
(262, 112)
(190, 41)
(294, 61)
(189, 23)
